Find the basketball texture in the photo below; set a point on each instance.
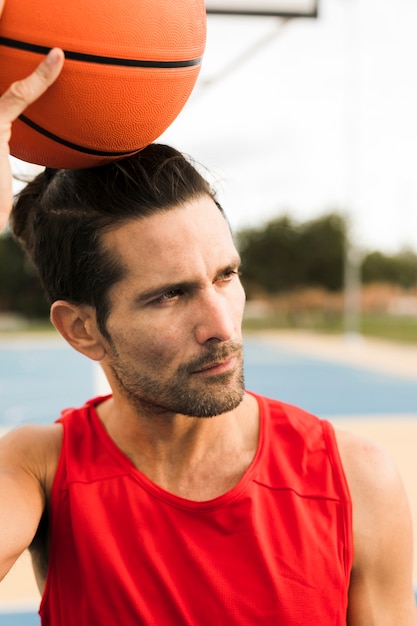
(130, 67)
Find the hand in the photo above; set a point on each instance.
(12, 103)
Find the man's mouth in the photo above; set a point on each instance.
(218, 367)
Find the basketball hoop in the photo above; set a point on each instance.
(275, 8)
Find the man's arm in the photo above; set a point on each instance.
(28, 460)
(12, 103)
(381, 589)
(22, 499)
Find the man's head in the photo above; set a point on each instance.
(61, 216)
(174, 328)
(139, 262)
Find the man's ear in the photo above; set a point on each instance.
(78, 326)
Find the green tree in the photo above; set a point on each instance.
(269, 256)
(399, 269)
(20, 287)
(283, 255)
(322, 248)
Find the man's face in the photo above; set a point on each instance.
(175, 318)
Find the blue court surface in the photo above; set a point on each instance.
(38, 380)
(323, 387)
(19, 619)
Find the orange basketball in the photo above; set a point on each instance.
(130, 67)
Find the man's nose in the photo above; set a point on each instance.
(214, 318)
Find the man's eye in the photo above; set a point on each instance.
(230, 274)
(169, 295)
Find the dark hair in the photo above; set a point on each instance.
(60, 216)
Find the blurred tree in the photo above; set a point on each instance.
(283, 255)
(20, 287)
(399, 269)
(322, 244)
(269, 256)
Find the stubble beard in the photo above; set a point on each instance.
(183, 393)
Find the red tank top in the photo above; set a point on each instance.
(276, 549)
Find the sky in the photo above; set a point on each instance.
(311, 116)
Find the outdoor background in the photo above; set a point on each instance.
(309, 131)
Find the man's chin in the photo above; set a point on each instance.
(211, 405)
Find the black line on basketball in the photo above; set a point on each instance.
(93, 58)
(69, 144)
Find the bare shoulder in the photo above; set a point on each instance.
(367, 465)
(376, 488)
(33, 449)
(28, 460)
(381, 590)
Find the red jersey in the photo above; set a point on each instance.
(274, 550)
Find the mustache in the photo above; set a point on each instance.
(211, 355)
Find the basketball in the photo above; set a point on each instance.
(130, 66)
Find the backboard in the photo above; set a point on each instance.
(278, 8)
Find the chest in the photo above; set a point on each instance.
(256, 556)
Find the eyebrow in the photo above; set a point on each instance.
(185, 285)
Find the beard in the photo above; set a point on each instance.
(182, 393)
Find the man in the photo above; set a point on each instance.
(181, 498)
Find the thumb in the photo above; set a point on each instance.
(23, 92)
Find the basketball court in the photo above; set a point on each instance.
(366, 386)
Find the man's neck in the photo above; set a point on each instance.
(195, 458)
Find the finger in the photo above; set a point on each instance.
(12, 103)
(23, 92)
